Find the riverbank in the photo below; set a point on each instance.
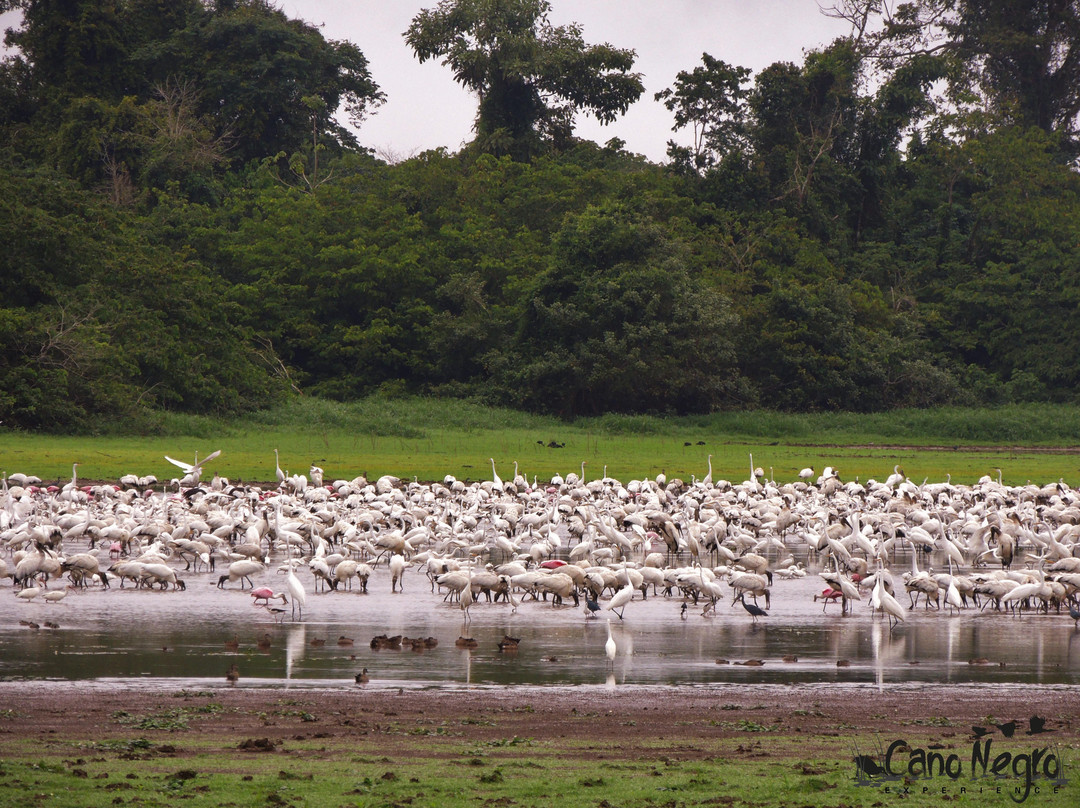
(519, 745)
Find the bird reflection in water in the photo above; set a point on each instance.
(295, 645)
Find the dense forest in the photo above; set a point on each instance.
(186, 224)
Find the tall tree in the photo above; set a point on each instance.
(249, 71)
(71, 47)
(711, 100)
(1018, 58)
(531, 77)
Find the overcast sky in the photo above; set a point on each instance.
(425, 108)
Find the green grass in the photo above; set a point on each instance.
(429, 438)
(199, 771)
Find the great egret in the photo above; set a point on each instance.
(618, 601)
(610, 648)
(296, 589)
(192, 471)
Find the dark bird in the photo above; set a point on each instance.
(1074, 613)
(362, 678)
(384, 643)
(979, 731)
(1036, 725)
(682, 612)
(755, 611)
(591, 606)
(509, 644)
(868, 766)
(1007, 729)
(232, 674)
(233, 644)
(466, 642)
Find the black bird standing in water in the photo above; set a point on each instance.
(591, 606)
(755, 611)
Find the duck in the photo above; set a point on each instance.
(508, 644)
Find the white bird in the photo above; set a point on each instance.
(296, 589)
(397, 572)
(56, 595)
(29, 593)
(706, 481)
(277, 469)
(192, 471)
(609, 647)
(620, 599)
(881, 599)
(467, 595)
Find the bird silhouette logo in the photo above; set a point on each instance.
(1007, 729)
(869, 768)
(1037, 725)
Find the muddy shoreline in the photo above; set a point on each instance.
(623, 719)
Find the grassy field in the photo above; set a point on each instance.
(427, 439)
(420, 762)
(521, 772)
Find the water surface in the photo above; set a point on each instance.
(180, 638)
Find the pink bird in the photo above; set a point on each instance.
(266, 594)
(828, 595)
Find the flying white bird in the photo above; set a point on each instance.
(192, 471)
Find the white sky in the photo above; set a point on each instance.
(425, 108)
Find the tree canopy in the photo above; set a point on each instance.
(184, 226)
(531, 77)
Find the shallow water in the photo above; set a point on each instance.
(179, 638)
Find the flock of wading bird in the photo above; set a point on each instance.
(1009, 549)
